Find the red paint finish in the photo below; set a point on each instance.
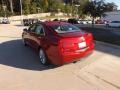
(60, 48)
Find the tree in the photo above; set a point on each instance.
(68, 9)
(16, 7)
(87, 7)
(54, 5)
(11, 5)
(26, 9)
(72, 5)
(46, 3)
(111, 7)
(81, 8)
(95, 9)
(33, 8)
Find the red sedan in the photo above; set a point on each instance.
(58, 42)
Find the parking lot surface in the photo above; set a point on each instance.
(103, 33)
(20, 68)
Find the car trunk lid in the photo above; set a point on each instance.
(72, 42)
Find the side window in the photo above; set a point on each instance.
(39, 30)
(32, 28)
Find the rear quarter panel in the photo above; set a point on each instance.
(52, 50)
(51, 46)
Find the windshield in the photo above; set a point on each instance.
(65, 28)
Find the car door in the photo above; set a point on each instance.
(31, 34)
(39, 36)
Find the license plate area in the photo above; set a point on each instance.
(82, 45)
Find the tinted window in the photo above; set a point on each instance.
(115, 22)
(32, 28)
(65, 28)
(39, 30)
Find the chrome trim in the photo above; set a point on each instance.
(82, 50)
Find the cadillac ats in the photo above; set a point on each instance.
(57, 42)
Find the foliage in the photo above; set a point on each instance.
(68, 9)
(111, 7)
(81, 8)
(33, 8)
(87, 7)
(98, 7)
(26, 7)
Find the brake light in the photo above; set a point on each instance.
(89, 39)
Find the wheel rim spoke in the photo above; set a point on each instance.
(42, 57)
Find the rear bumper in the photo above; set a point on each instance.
(76, 56)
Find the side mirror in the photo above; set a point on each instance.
(25, 30)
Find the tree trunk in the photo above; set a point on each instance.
(93, 20)
(72, 8)
(11, 6)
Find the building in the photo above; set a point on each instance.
(112, 16)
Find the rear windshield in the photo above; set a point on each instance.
(65, 28)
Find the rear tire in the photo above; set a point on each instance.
(24, 42)
(42, 57)
(107, 25)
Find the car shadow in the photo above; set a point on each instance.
(14, 53)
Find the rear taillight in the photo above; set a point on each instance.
(89, 39)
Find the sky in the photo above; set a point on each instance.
(117, 2)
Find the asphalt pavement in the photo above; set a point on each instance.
(20, 68)
(103, 33)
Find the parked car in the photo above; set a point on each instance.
(0, 21)
(28, 22)
(101, 22)
(55, 20)
(89, 21)
(83, 21)
(113, 24)
(5, 21)
(41, 20)
(73, 21)
(63, 20)
(58, 42)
